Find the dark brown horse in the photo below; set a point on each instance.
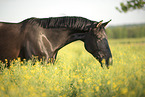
(44, 37)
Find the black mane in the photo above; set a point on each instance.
(78, 23)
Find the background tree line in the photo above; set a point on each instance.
(126, 31)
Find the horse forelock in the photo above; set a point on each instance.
(78, 23)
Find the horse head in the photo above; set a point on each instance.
(96, 43)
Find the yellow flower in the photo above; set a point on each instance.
(44, 95)
(19, 59)
(37, 63)
(6, 60)
(100, 84)
(21, 62)
(97, 88)
(27, 77)
(108, 83)
(124, 90)
(132, 94)
(32, 71)
(103, 61)
(114, 85)
(2, 88)
(80, 80)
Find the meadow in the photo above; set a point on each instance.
(76, 73)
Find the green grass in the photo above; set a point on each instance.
(77, 74)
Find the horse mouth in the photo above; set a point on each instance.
(106, 63)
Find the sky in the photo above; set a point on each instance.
(97, 10)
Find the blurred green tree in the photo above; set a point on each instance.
(131, 5)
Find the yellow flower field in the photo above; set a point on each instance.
(77, 74)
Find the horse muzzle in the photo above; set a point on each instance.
(107, 62)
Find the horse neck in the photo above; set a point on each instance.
(76, 35)
(64, 36)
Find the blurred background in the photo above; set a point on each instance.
(128, 21)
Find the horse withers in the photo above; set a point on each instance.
(45, 37)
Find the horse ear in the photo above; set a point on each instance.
(99, 24)
(105, 24)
